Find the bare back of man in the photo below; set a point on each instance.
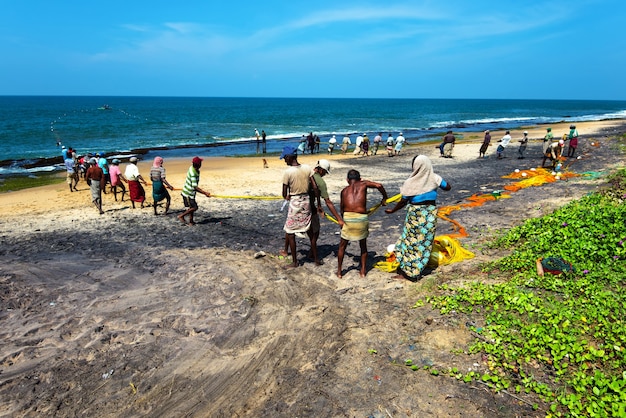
(354, 212)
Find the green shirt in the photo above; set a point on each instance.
(321, 185)
(191, 182)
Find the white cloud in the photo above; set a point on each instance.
(418, 30)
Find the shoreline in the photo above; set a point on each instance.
(27, 167)
(536, 133)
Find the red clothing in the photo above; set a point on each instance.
(94, 173)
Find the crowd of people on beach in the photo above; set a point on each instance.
(363, 146)
(552, 148)
(304, 188)
(98, 174)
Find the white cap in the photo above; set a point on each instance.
(325, 164)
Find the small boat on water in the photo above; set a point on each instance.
(104, 107)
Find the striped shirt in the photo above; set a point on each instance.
(191, 182)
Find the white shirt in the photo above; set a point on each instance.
(131, 172)
(505, 140)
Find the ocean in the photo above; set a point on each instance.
(33, 128)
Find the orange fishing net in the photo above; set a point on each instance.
(527, 178)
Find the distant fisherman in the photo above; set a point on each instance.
(189, 191)
(137, 192)
(95, 179)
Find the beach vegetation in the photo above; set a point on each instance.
(15, 183)
(556, 339)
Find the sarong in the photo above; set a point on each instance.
(356, 226)
(447, 149)
(137, 193)
(483, 148)
(95, 190)
(159, 192)
(416, 242)
(299, 214)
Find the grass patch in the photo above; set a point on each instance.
(14, 183)
(559, 337)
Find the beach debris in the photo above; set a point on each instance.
(133, 388)
(108, 374)
(259, 254)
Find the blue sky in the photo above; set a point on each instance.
(386, 49)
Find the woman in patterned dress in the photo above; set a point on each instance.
(419, 193)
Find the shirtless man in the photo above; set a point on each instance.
(354, 212)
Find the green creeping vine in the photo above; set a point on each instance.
(562, 337)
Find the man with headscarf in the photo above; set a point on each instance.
(419, 193)
(160, 184)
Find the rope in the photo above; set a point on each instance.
(371, 210)
(247, 197)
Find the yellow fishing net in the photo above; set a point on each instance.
(446, 250)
